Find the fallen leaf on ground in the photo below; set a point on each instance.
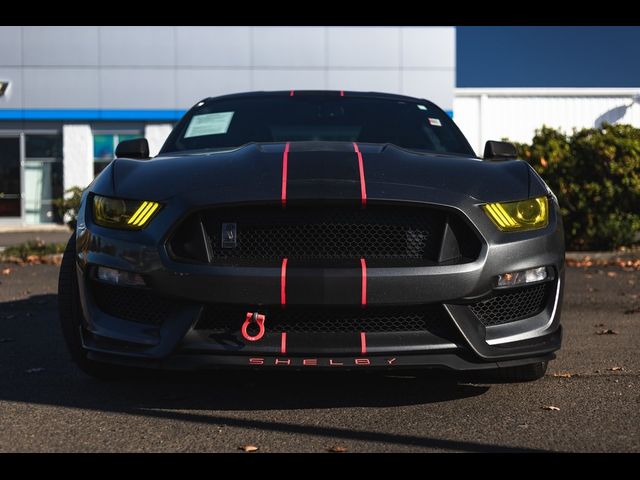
(33, 259)
(550, 407)
(616, 369)
(579, 263)
(35, 370)
(6, 271)
(55, 259)
(608, 331)
(562, 375)
(337, 449)
(248, 448)
(6, 340)
(611, 274)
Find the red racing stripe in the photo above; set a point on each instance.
(363, 188)
(285, 162)
(363, 264)
(363, 301)
(283, 343)
(283, 282)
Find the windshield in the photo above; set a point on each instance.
(225, 123)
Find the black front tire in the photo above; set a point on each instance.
(71, 319)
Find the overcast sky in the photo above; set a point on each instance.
(548, 56)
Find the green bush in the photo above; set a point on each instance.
(595, 174)
(33, 247)
(68, 207)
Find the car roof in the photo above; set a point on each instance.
(328, 93)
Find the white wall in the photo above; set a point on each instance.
(174, 67)
(77, 156)
(156, 134)
(492, 114)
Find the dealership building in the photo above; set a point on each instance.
(68, 95)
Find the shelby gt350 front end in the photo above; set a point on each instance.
(317, 230)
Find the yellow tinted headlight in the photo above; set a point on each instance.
(119, 213)
(518, 216)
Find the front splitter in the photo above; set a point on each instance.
(205, 361)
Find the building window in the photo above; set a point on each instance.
(104, 147)
(42, 177)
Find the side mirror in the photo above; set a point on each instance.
(136, 148)
(499, 151)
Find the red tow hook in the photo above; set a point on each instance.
(257, 319)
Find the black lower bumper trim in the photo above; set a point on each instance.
(259, 362)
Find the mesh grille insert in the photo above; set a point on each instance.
(513, 305)
(133, 304)
(433, 318)
(268, 234)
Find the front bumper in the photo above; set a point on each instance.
(178, 343)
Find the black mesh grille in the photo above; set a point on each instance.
(264, 234)
(511, 306)
(134, 304)
(433, 318)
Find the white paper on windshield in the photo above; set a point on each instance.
(209, 124)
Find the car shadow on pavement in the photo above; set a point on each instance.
(37, 370)
(36, 342)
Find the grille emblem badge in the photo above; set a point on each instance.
(229, 235)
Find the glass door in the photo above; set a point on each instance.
(42, 177)
(10, 204)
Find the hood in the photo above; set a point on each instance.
(321, 170)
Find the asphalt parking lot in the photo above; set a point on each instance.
(47, 405)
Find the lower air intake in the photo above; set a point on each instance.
(134, 304)
(432, 318)
(511, 305)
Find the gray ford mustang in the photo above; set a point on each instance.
(315, 230)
